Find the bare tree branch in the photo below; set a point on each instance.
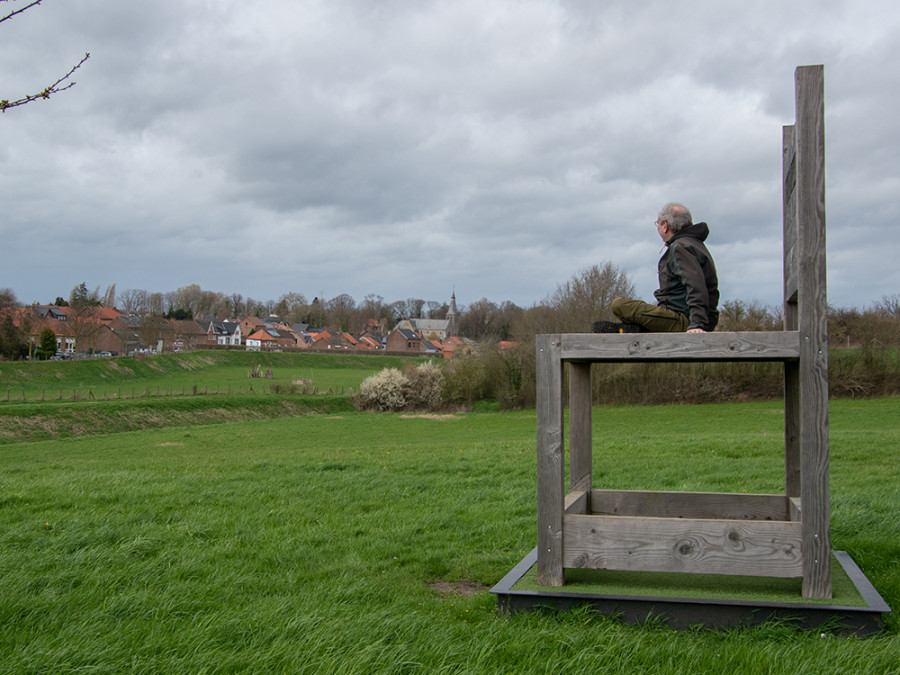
(54, 88)
(19, 11)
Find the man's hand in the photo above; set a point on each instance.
(696, 330)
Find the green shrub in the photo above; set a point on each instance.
(466, 380)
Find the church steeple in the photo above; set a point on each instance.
(452, 317)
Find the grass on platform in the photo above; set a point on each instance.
(718, 587)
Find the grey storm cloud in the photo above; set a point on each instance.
(406, 148)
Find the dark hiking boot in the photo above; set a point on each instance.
(613, 327)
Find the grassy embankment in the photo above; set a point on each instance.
(343, 542)
(53, 399)
(201, 372)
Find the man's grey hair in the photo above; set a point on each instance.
(676, 215)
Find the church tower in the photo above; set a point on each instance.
(452, 318)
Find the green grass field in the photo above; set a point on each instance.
(204, 372)
(344, 542)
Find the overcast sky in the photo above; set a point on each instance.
(407, 148)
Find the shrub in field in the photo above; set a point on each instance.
(515, 373)
(467, 379)
(426, 386)
(859, 373)
(416, 387)
(387, 389)
(492, 374)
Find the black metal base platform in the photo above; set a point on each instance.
(683, 613)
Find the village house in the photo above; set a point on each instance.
(222, 332)
(326, 340)
(187, 334)
(271, 338)
(404, 340)
(32, 321)
(369, 342)
(90, 330)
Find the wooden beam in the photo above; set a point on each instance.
(580, 459)
(649, 347)
(815, 490)
(796, 510)
(792, 429)
(711, 505)
(550, 462)
(577, 502)
(789, 214)
(751, 548)
(791, 319)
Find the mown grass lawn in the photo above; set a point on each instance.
(313, 544)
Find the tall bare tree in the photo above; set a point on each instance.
(291, 307)
(340, 311)
(587, 296)
(134, 301)
(8, 300)
(109, 298)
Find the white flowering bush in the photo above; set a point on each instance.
(419, 387)
(426, 386)
(385, 390)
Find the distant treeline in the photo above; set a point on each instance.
(571, 308)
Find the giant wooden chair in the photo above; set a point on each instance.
(711, 533)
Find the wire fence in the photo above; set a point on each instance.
(159, 391)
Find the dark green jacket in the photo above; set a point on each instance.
(687, 278)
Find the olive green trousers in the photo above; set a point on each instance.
(654, 318)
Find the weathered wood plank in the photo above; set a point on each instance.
(710, 505)
(789, 209)
(815, 490)
(752, 548)
(796, 510)
(792, 429)
(648, 347)
(580, 427)
(791, 319)
(550, 462)
(577, 502)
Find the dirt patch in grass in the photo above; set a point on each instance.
(120, 369)
(195, 361)
(465, 587)
(430, 416)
